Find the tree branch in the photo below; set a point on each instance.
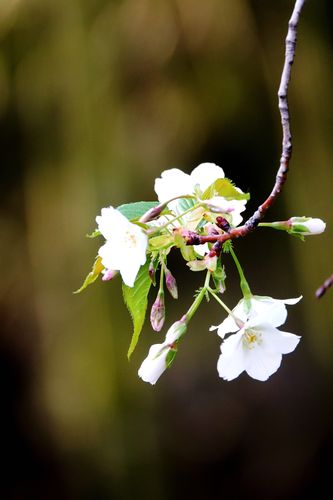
(281, 177)
(324, 287)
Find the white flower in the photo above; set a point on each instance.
(306, 225)
(258, 345)
(125, 247)
(175, 182)
(157, 360)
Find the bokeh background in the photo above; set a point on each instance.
(98, 97)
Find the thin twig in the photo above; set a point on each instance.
(253, 221)
(285, 117)
(324, 287)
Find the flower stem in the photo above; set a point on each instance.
(281, 225)
(157, 230)
(161, 288)
(192, 310)
(225, 307)
(243, 283)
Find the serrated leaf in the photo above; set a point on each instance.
(185, 203)
(135, 210)
(94, 234)
(93, 275)
(224, 187)
(136, 300)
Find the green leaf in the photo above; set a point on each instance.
(136, 300)
(170, 357)
(225, 188)
(298, 235)
(93, 275)
(161, 242)
(185, 203)
(94, 234)
(135, 210)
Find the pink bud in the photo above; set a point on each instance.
(222, 223)
(151, 272)
(171, 284)
(157, 314)
(109, 274)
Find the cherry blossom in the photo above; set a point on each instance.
(175, 183)
(258, 345)
(125, 247)
(160, 356)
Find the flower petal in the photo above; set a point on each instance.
(155, 363)
(269, 310)
(291, 302)
(110, 222)
(172, 183)
(205, 174)
(278, 341)
(227, 326)
(129, 271)
(111, 257)
(125, 249)
(232, 360)
(260, 365)
(201, 249)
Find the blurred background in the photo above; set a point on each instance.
(98, 97)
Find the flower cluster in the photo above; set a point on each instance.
(196, 214)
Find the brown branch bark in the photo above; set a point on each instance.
(281, 177)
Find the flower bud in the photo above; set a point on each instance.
(306, 226)
(176, 331)
(152, 213)
(109, 274)
(151, 272)
(171, 284)
(155, 363)
(161, 356)
(157, 314)
(222, 223)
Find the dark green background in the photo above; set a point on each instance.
(96, 99)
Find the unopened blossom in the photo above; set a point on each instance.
(125, 247)
(157, 313)
(257, 346)
(160, 356)
(302, 226)
(171, 284)
(174, 182)
(306, 226)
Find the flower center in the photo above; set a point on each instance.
(130, 239)
(251, 339)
